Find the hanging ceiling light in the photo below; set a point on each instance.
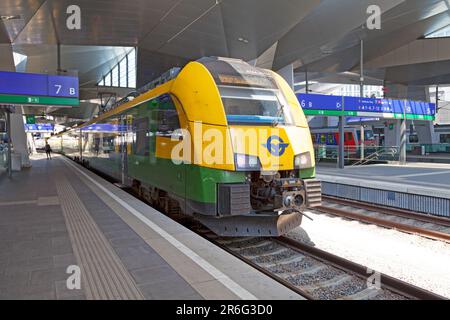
(243, 40)
(10, 17)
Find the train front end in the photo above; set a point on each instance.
(265, 154)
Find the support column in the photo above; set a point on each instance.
(341, 158)
(341, 152)
(19, 138)
(8, 126)
(425, 131)
(362, 142)
(361, 94)
(402, 141)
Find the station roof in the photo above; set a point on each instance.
(322, 37)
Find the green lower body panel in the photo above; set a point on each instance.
(110, 165)
(190, 182)
(308, 173)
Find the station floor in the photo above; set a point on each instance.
(57, 217)
(430, 177)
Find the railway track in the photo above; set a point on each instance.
(316, 274)
(436, 228)
(311, 272)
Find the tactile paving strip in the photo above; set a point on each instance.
(103, 275)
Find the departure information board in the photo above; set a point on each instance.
(39, 127)
(316, 104)
(41, 89)
(105, 127)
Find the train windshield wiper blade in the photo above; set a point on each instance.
(278, 116)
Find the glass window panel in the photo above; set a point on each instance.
(115, 76)
(142, 142)
(123, 72)
(132, 79)
(108, 80)
(132, 69)
(441, 33)
(102, 82)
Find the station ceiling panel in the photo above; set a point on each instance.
(322, 36)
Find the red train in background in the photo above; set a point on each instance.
(352, 137)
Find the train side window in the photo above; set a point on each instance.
(414, 138)
(349, 136)
(166, 116)
(167, 121)
(444, 138)
(142, 142)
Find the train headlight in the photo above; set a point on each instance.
(246, 162)
(303, 161)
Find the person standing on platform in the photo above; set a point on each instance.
(48, 150)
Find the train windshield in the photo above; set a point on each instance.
(255, 106)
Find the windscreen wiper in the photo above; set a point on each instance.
(280, 111)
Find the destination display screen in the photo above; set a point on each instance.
(247, 80)
(232, 72)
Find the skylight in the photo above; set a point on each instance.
(441, 33)
(122, 74)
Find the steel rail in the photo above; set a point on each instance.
(390, 211)
(271, 275)
(435, 235)
(389, 283)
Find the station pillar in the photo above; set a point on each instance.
(341, 151)
(19, 137)
(402, 141)
(425, 132)
(8, 125)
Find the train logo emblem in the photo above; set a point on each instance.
(276, 146)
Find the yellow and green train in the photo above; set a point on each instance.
(222, 141)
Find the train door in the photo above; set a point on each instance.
(173, 173)
(124, 124)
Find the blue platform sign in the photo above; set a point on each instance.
(22, 84)
(105, 127)
(361, 119)
(362, 104)
(30, 84)
(39, 127)
(316, 104)
(63, 86)
(421, 108)
(320, 102)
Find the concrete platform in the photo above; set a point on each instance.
(58, 216)
(422, 187)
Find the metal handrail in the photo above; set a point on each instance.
(375, 156)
